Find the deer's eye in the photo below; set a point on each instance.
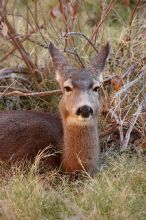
(67, 89)
(96, 88)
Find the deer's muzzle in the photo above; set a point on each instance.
(84, 111)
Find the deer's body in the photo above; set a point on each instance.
(24, 133)
(73, 132)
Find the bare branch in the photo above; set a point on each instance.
(123, 76)
(132, 123)
(17, 43)
(26, 37)
(31, 94)
(134, 11)
(132, 83)
(103, 18)
(5, 71)
(129, 71)
(119, 124)
(14, 88)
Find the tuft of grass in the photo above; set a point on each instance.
(118, 191)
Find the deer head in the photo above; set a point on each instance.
(80, 102)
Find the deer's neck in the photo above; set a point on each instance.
(80, 148)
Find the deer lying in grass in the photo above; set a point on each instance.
(74, 131)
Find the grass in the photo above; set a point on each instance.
(117, 192)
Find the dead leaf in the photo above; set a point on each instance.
(126, 2)
(117, 83)
(144, 145)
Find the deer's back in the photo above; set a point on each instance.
(24, 133)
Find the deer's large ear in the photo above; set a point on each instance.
(62, 67)
(97, 63)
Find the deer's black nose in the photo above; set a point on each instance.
(85, 111)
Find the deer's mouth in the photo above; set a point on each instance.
(84, 119)
(79, 120)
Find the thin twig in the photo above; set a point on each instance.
(103, 18)
(3, 93)
(32, 94)
(6, 71)
(14, 88)
(77, 55)
(129, 71)
(134, 11)
(80, 34)
(132, 123)
(36, 24)
(31, 66)
(119, 124)
(14, 76)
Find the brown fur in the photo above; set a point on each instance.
(24, 133)
(80, 149)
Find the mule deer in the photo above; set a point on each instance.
(74, 130)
